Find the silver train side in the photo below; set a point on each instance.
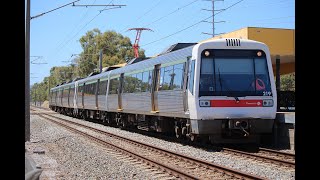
(167, 93)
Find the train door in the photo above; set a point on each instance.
(69, 96)
(96, 93)
(155, 87)
(185, 84)
(82, 94)
(61, 96)
(55, 97)
(107, 92)
(75, 97)
(120, 91)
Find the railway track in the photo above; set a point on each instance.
(172, 163)
(266, 155)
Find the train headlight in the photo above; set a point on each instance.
(267, 102)
(259, 53)
(204, 103)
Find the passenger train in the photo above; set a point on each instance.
(219, 90)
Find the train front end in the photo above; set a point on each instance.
(232, 94)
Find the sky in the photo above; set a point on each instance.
(54, 36)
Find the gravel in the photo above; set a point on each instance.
(70, 156)
(268, 171)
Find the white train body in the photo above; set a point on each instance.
(222, 89)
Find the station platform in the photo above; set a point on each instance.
(286, 117)
(32, 172)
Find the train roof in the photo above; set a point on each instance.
(163, 59)
(172, 56)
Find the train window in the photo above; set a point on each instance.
(114, 85)
(93, 88)
(233, 74)
(65, 92)
(85, 90)
(191, 76)
(167, 78)
(102, 87)
(161, 76)
(207, 75)
(145, 81)
(129, 83)
(138, 83)
(150, 80)
(262, 73)
(178, 76)
(80, 90)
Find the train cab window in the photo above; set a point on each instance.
(234, 73)
(262, 77)
(207, 75)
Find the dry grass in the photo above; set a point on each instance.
(45, 104)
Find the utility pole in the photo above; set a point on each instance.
(27, 76)
(49, 88)
(100, 61)
(35, 97)
(212, 18)
(27, 66)
(213, 10)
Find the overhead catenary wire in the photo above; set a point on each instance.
(53, 10)
(75, 27)
(191, 25)
(170, 13)
(83, 28)
(143, 15)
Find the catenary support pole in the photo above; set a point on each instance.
(27, 74)
(100, 61)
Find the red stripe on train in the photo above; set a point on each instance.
(233, 103)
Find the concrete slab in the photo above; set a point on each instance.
(32, 172)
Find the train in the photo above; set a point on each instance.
(219, 91)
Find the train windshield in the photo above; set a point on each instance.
(234, 73)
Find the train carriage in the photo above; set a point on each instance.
(222, 90)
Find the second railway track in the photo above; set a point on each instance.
(267, 155)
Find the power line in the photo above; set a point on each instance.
(83, 27)
(191, 25)
(171, 13)
(143, 15)
(53, 9)
(75, 27)
(274, 3)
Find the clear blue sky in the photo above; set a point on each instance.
(54, 36)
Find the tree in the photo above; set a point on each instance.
(287, 82)
(116, 49)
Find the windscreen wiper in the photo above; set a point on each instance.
(228, 90)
